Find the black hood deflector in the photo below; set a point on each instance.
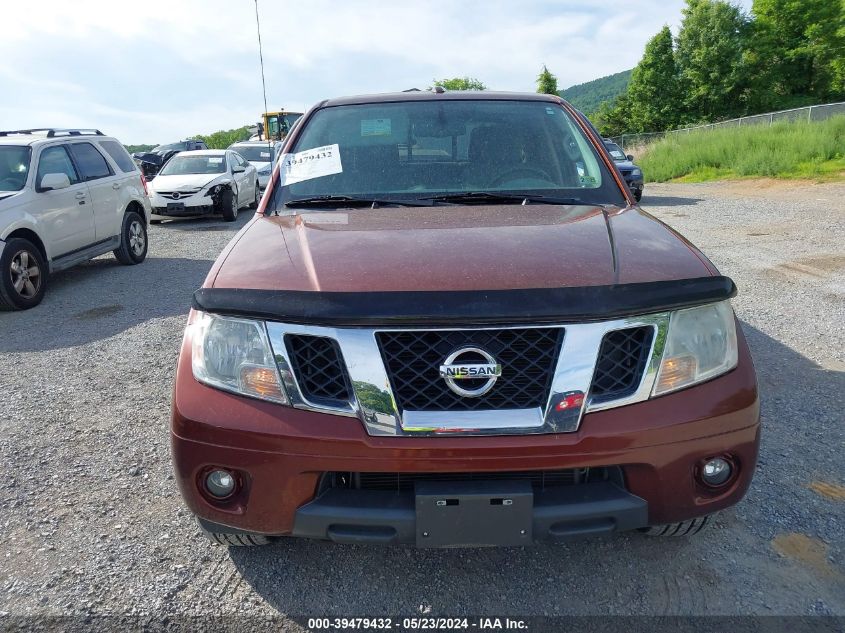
(412, 308)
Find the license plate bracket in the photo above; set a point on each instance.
(473, 513)
(175, 206)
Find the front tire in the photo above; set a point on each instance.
(638, 194)
(24, 275)
(682, 528)
(133, 240)
(238, 540)
(229, 205)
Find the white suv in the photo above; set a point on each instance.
(66, 196)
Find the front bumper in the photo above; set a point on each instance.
(190, 206)
(634, 183)
(263, 181)
(389, 518)
(283, 453)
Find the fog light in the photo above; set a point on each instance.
(220, 484)
(716, 471)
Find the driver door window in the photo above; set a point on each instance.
(55, 160)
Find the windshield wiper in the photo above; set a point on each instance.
(349, 201)
(486, 197)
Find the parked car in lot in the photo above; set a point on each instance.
(632, 173)
(204, 182)
(151, 162)
(66, 196)
(260, 154)
(445, 329)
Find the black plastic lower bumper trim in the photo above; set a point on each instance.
(382, 517)
(205, 209)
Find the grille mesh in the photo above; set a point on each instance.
(319, 369)
(622, 360)
(406, 481)
(527, 357)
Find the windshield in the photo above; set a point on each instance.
(615, 152)
(414, 149)
(202, 164)
(14, 166)
(254, 153)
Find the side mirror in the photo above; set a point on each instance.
(237, 169)
(630, 157)
(54, 181)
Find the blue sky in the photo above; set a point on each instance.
(158, 71)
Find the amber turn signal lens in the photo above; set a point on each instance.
(675, 372)
(260, 381)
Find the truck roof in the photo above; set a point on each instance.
(426, 95)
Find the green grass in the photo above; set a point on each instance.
(784, 150)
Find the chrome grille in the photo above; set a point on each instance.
(177, 195)
(527, 356)
(557, 366)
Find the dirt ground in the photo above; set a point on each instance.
(92, 523)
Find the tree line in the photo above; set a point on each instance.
(725, 64)
(589, 96)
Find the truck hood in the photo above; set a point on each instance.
(7, 195)
(455, 248)
(186, 181)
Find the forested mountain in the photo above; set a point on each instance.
(588, 96)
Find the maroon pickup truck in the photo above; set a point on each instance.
(449, 324)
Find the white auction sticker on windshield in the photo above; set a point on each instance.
(215, 160)
(311, 163)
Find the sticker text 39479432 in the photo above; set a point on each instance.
(310, 163)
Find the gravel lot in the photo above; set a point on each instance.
(92, 522)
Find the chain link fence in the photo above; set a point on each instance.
(807, 113)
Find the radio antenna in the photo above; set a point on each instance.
(263, 83)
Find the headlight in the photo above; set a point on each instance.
(636, 172)
(265, 170)
(235, 355)
(700, 344)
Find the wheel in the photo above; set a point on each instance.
(24, 275)
(254, 204)
(133, 240)
(238, 540)
(684, 528)
(638, 194)
(229, 205)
